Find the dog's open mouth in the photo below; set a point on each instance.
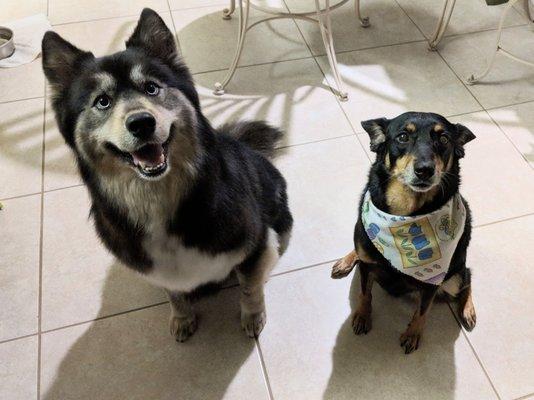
(150, 160)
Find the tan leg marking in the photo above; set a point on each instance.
(345, 266)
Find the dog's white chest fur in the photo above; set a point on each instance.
(179, 268)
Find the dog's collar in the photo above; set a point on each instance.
(421, 246)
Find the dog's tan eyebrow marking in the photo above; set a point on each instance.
(438, 128)
(410, 127)
(105, 81)
(136, 75)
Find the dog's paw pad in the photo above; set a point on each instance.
(182, 328)
(253, 323)
(361, 324)
(410, 342)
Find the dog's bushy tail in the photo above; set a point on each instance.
(258, 135)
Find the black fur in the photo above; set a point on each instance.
(237, 193)
(387, 276)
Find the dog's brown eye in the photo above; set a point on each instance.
(443, 139)
(102, 102)
(403, 138)
(151, 89)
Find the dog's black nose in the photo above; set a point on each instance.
(142, 125)
(424, 172)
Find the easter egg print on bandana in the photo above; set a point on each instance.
(416, 243)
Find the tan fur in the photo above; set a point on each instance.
(410, 127)
(388, 161)
(344, 266)
(400, 199)
(438, 128)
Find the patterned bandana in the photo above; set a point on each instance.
(420, 246)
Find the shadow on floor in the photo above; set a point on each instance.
(374, 366)
(133, 355)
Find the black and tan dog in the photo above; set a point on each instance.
(416, 172)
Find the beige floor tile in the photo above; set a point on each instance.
(518, 124)
(509, 81)
(496, 180)
(183, 4)
(133, 356)
(22, 82)
(19, 266)
(16, 9)
(502, 290)
(390, 80)
(63, 11)
(21, 143)
(483, 175)
(389, 25)
(324, 184)
(310, 350)
(81, 280)
(291, 96)
(520, 8)
(104, 37)
(18, 369)
(208, 42)
(468, 16)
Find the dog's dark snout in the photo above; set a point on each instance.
(142, 125)
(424, 171)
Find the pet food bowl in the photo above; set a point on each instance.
(7, 47)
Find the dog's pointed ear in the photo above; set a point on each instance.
(152, 35)
(463, 136)
(61, 60)
(376, 128)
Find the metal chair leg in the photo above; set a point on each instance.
(227, 12)
(242, 31)
(364, 21)
(448, 8)
(529, 13)
(497, 49)
(325, 26)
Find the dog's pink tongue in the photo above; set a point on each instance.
(149, 155)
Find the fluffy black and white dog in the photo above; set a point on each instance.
(172, 198)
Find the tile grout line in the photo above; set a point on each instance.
(502, 220)
(474, 352)
(509, 139)
(40, 291)
(264, 368)
(525, 397)
(24, 99)
(18, 338)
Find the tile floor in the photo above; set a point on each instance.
(75, 325)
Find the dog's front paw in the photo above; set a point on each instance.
(361, 323)
(468, 318)
(410, 340)
(182, 328)
(253, 323)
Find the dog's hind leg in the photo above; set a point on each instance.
(183, 322)
(252, 275)
(361, 322)
(411, 338)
